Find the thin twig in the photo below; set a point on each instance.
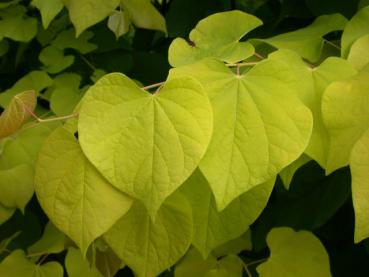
(256, 261)
(43, 258)
(261, 57)
(153, 86)
(238, 70)
(247, 270)
(40, 120)
(90, 65)
(332, 44)
(241, 64)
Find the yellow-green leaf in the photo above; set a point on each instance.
(294, 254)
(359, 56)
(148, 247)
(195, 266)
(359, 165)
(119, 23)
(77, 266)
(17, 264)
(49, 9)
(308, 42)
(357, 27)
(346, 115)
(76, 198)
(35, 80)
(213, 38)
(52, 241)
(213, 228)
(144, 15)
(145, 144)
(65, 93)
(16, 186)
(85, 13)
(260, 127)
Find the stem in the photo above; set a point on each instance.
(40, 120)
(241, 64)
(247, 270)
(90, 65)
(332, 44)
(238, 69)
(256, 261)
(43, 258)
(153, 86)
(261, 57)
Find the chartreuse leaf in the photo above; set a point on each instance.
(16, 187)
(259, 128)
(288, 172)
(119, 23)
(76, 198)
(49, 9)
(17, 112)
(145, 144)
(294, 254)
(65, 93)
(17, 264)
(346, 115)
(213, 228)
(309, 85)
(357, 27)
(24, 147)
(54, 59)
(194, 265)
(53, 56)
(5, 213)
(35, 80)
(85, 13)
(234, 246)
(152, 19)
(308, 42)
(14, 24)
(149, 247)
(52, 241)
(77, 266)
(106, 261)
(213, 38)
(359, 165)
(359, 56)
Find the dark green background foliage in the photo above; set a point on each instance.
(315, 202)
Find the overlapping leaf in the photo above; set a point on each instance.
(152, 19)
(146, 145)
(49, 9)
(85, 13)
(308, 42)
(35, 80)
(148, 247)
(17, 264)
(357, 27)
(294, 254)
(213, 38)
(308, 84)
(345, 113)
(194, 265)
(213, 228)
(16, 25)
(76, 198)
(359, 56)
(359, 165)
(259, 128)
